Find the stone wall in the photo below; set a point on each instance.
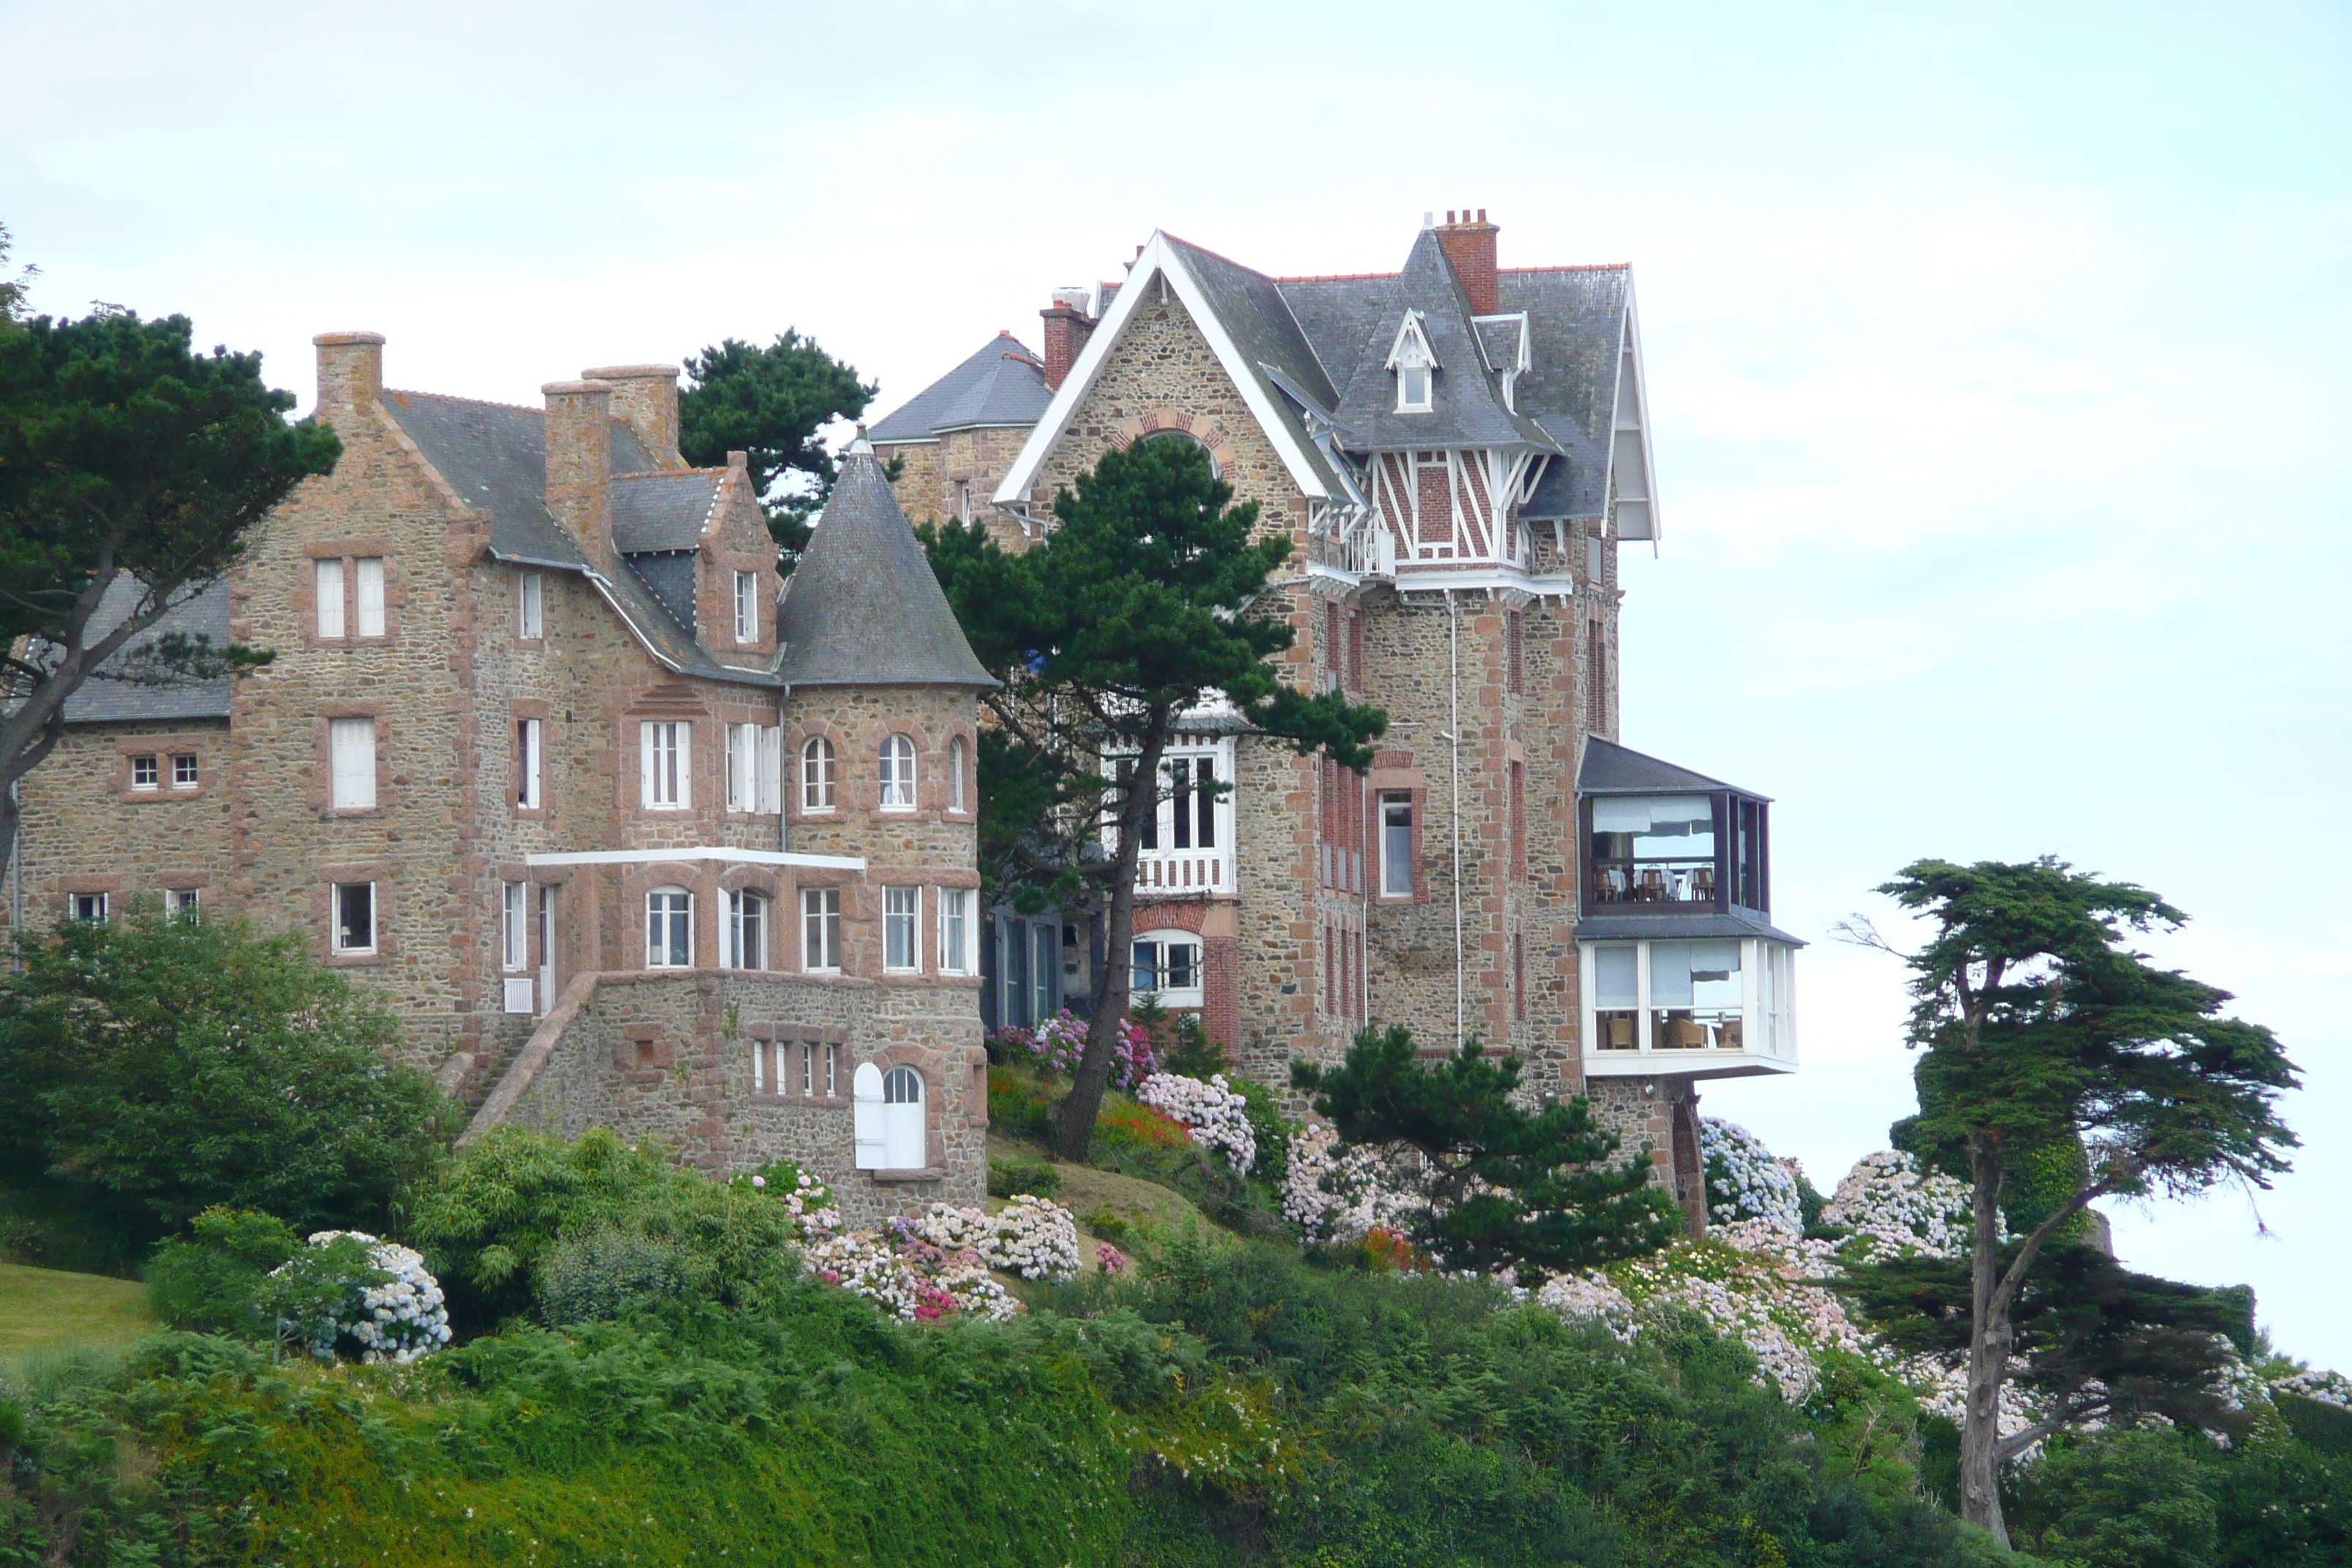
(86, 830)
(933, 474)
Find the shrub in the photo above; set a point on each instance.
(158, 1069)
(1123, 1125)
(349, 1293)
(1020, 1102)
(603, 1275)
(213, 1279)
(1010, 1178)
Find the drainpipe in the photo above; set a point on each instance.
(1453, 749)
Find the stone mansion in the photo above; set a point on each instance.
(629, 831)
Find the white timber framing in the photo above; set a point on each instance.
(1485, 487)
(1631, 491)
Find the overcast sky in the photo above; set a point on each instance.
(1996, 356)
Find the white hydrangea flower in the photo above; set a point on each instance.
(1899, 1209)
(1215, 1117)
(1761, 1187)
(397, 1322)
(1336, 1192)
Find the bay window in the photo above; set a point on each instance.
(1684, 999)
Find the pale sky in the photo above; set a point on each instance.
(1995, 357)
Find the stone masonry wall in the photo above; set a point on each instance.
(86, 830)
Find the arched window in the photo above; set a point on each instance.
(747, 930)
(956, 765)
(669, 928)
(902, 1119)
(897, 773)
(817, 774)
(1168, 965)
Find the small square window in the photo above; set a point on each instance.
(179, 903)
(146, 772)
(89, 908)
(183, 770)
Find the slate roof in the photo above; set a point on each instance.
(495, 456)
(862, 608)
(664, 509)
(1002, 383)
(103, 701)
(1612, 769)
(1680, 927)
(1250, 307)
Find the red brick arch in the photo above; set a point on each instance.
(1201, 428)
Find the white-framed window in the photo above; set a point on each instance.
(530, 606)
(902, 914)
(146, 772)
(1681, 997)
(353, 917)
(669, 928)
(514, 927)
(1416, 366)
(665, 764)
(759, 1049)
(955, 930)
(821, 930)
(529, 738)
(808, 1071)
(89, 908)
(1412, 389)
(1396, 846)
(350, 754)
(963, 500)
(1168, 965)
(183, 770)
(329, 580)
(832, 1071)
(817, 775)
(747, 930)
(959, 759)
(181, 904)
(747, 606)
(367, 578)
(770, 798)
(897, 773)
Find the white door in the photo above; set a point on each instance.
(902, 1120)
(865, 1117)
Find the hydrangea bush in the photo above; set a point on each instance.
(938, 1263)
(1055, 1045)
(1744, 1181)
(1342, 1193)
(1895, 1209)
(1215, 1117)
(354, 1292)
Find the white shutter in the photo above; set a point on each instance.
(865, 1117)
(371, 596)
(771, 770)
(738, 767)
(646, 763)
(681, 741)
(331, 598)
(350, 746)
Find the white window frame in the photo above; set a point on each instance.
(152, 764)
(90, 909)
(748, 908)
(194, 770)
(514, 927)
(1389, 868)
(530, 753)
(328, 580)
(661, 944)
(184, 904)
(902, 929)
(820, 775)
(1413, 378)
(1193, 995)
(959, 759)
(352, 763)
(1410, 355)
(367, 596)
(821, 930)
(955, 929)
(335, 920)
(906, 1130)
(742, 766)
(898, 763)
(530, 606)
(747, 608)
(666, 764)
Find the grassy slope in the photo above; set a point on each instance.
(1147, 1208)
(49, 1310)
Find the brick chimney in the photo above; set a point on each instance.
(1470, 245)
(1068, 328)
(645, 397)
(351, 371)
(580, 464)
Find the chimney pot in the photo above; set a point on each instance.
(1470, 246)
(645, 397)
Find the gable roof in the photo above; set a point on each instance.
(102, 701)
(862, 608)
(1610, 769)
(1001, 384)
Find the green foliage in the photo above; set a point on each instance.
(1138, 604)
(523, 1219)
(161, 1067)
(772, 404)
(1189, 1050)
(2094, 1342)
(12, 290)
(213, 1279)
(2130, 1499)
(1507, 1187)
(1010, 1178)
(1269, 1129)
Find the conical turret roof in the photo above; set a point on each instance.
(862, 607)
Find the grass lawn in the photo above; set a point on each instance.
(49, 1310)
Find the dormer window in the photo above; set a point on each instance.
(1414, 365)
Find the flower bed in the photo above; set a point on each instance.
(1212, 1114)
(938, 1263)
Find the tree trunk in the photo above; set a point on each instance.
(1074, 1122)
(1990, 1338)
